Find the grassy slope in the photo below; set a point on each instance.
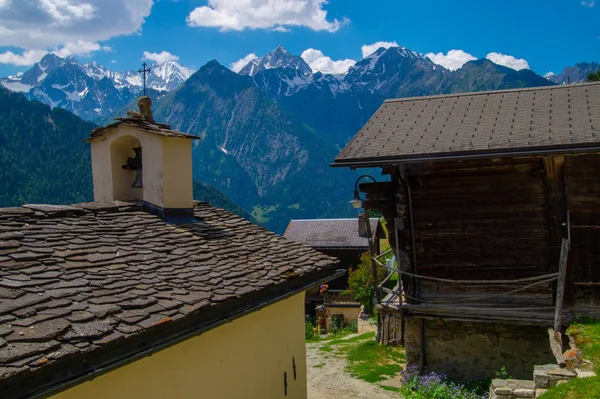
(587, 336)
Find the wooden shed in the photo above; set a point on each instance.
(487, 191)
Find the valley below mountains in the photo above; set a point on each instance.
(268, 132)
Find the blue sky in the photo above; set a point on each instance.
(542, 35)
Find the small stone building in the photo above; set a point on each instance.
(146, 293)
(484, 189)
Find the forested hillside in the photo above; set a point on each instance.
(42, 156)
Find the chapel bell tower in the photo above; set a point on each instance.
(138, 159)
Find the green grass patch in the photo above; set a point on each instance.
(390, 388)
(374, 363)
(587, 336)
(319, 366)
(579, 388)
(367, 360)
(346, 341)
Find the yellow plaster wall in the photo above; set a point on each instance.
(177, 174)
(350, 315)
(243, 359)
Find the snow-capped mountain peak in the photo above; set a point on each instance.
(90, 90)
(278, 58)
(167, 75)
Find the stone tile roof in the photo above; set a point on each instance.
(329, 233)
(161, 129)
(547, 119)
(75, 280)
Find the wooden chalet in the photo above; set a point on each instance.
(487, 191)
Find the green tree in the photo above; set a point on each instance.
(594, 77)
(360, 282)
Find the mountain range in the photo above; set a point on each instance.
(270, 131)
(90, 90)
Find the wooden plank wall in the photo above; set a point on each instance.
(480, 219)
(582, 181)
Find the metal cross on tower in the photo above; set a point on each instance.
(143, 72)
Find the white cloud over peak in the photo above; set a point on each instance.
(263, 14)
(452, 60)
(163, 56)
(548, 75)
(35, 24)
(28, 57)
(242, 62)
(369, 49)
(82, 48)
(508, 61)
(318, 62)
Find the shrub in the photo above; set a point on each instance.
(360, 282)
(310, 331)
(337, 322)
(440, 386)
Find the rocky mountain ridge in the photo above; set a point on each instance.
(90, 90)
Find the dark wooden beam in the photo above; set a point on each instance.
(556, 208)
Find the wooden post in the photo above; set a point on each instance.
(560, 284)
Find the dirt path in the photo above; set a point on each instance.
(327, 378)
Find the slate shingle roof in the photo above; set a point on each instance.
(161, 129)
(77, 279)
(552, 118)
(329, 233)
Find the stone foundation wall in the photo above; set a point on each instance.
(477, 349)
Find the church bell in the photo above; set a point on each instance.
(135, 163)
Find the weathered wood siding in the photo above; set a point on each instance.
(480, 220)
(582, 177)
(582, 185)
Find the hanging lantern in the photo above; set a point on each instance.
(135, 163)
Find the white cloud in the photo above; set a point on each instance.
(263, 14)
(63, 12)
(548, 75)
(163, 56)
(588, 3)
(369, 49)
(113, 62)
(452, 60)
(318, 62)
(35, 24)
(508, 61)
(242, 62)
(280, 28)
(28, 57)
(77, 48)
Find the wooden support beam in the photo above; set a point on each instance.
(556, 206)
(560, 284)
